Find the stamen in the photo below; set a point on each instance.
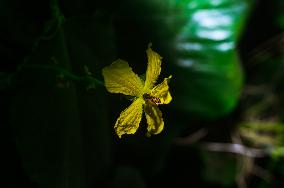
(152, 99)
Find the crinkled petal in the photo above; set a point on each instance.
(162, 92)
(119, 78)
(129, 119)
(154, 119)
(153, 68)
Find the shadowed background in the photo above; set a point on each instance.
(223, 128)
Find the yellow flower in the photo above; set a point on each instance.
(119, 78)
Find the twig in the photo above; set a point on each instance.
(234, 148)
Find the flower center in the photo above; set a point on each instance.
(148, 97)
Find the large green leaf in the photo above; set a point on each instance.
(197, 39)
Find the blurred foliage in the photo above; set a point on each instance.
(279, 18)
(197, 40)
(219, 168)
(60, 118)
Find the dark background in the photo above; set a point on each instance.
(226, 58)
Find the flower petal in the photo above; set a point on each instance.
(154, 119)
(119, 78)
(162, 92)
(153, 68)
(129, 119)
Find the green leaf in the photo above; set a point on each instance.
(198, 42)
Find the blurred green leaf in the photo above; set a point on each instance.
(279, 18)
(198, 42)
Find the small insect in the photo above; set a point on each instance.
(151, 98)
